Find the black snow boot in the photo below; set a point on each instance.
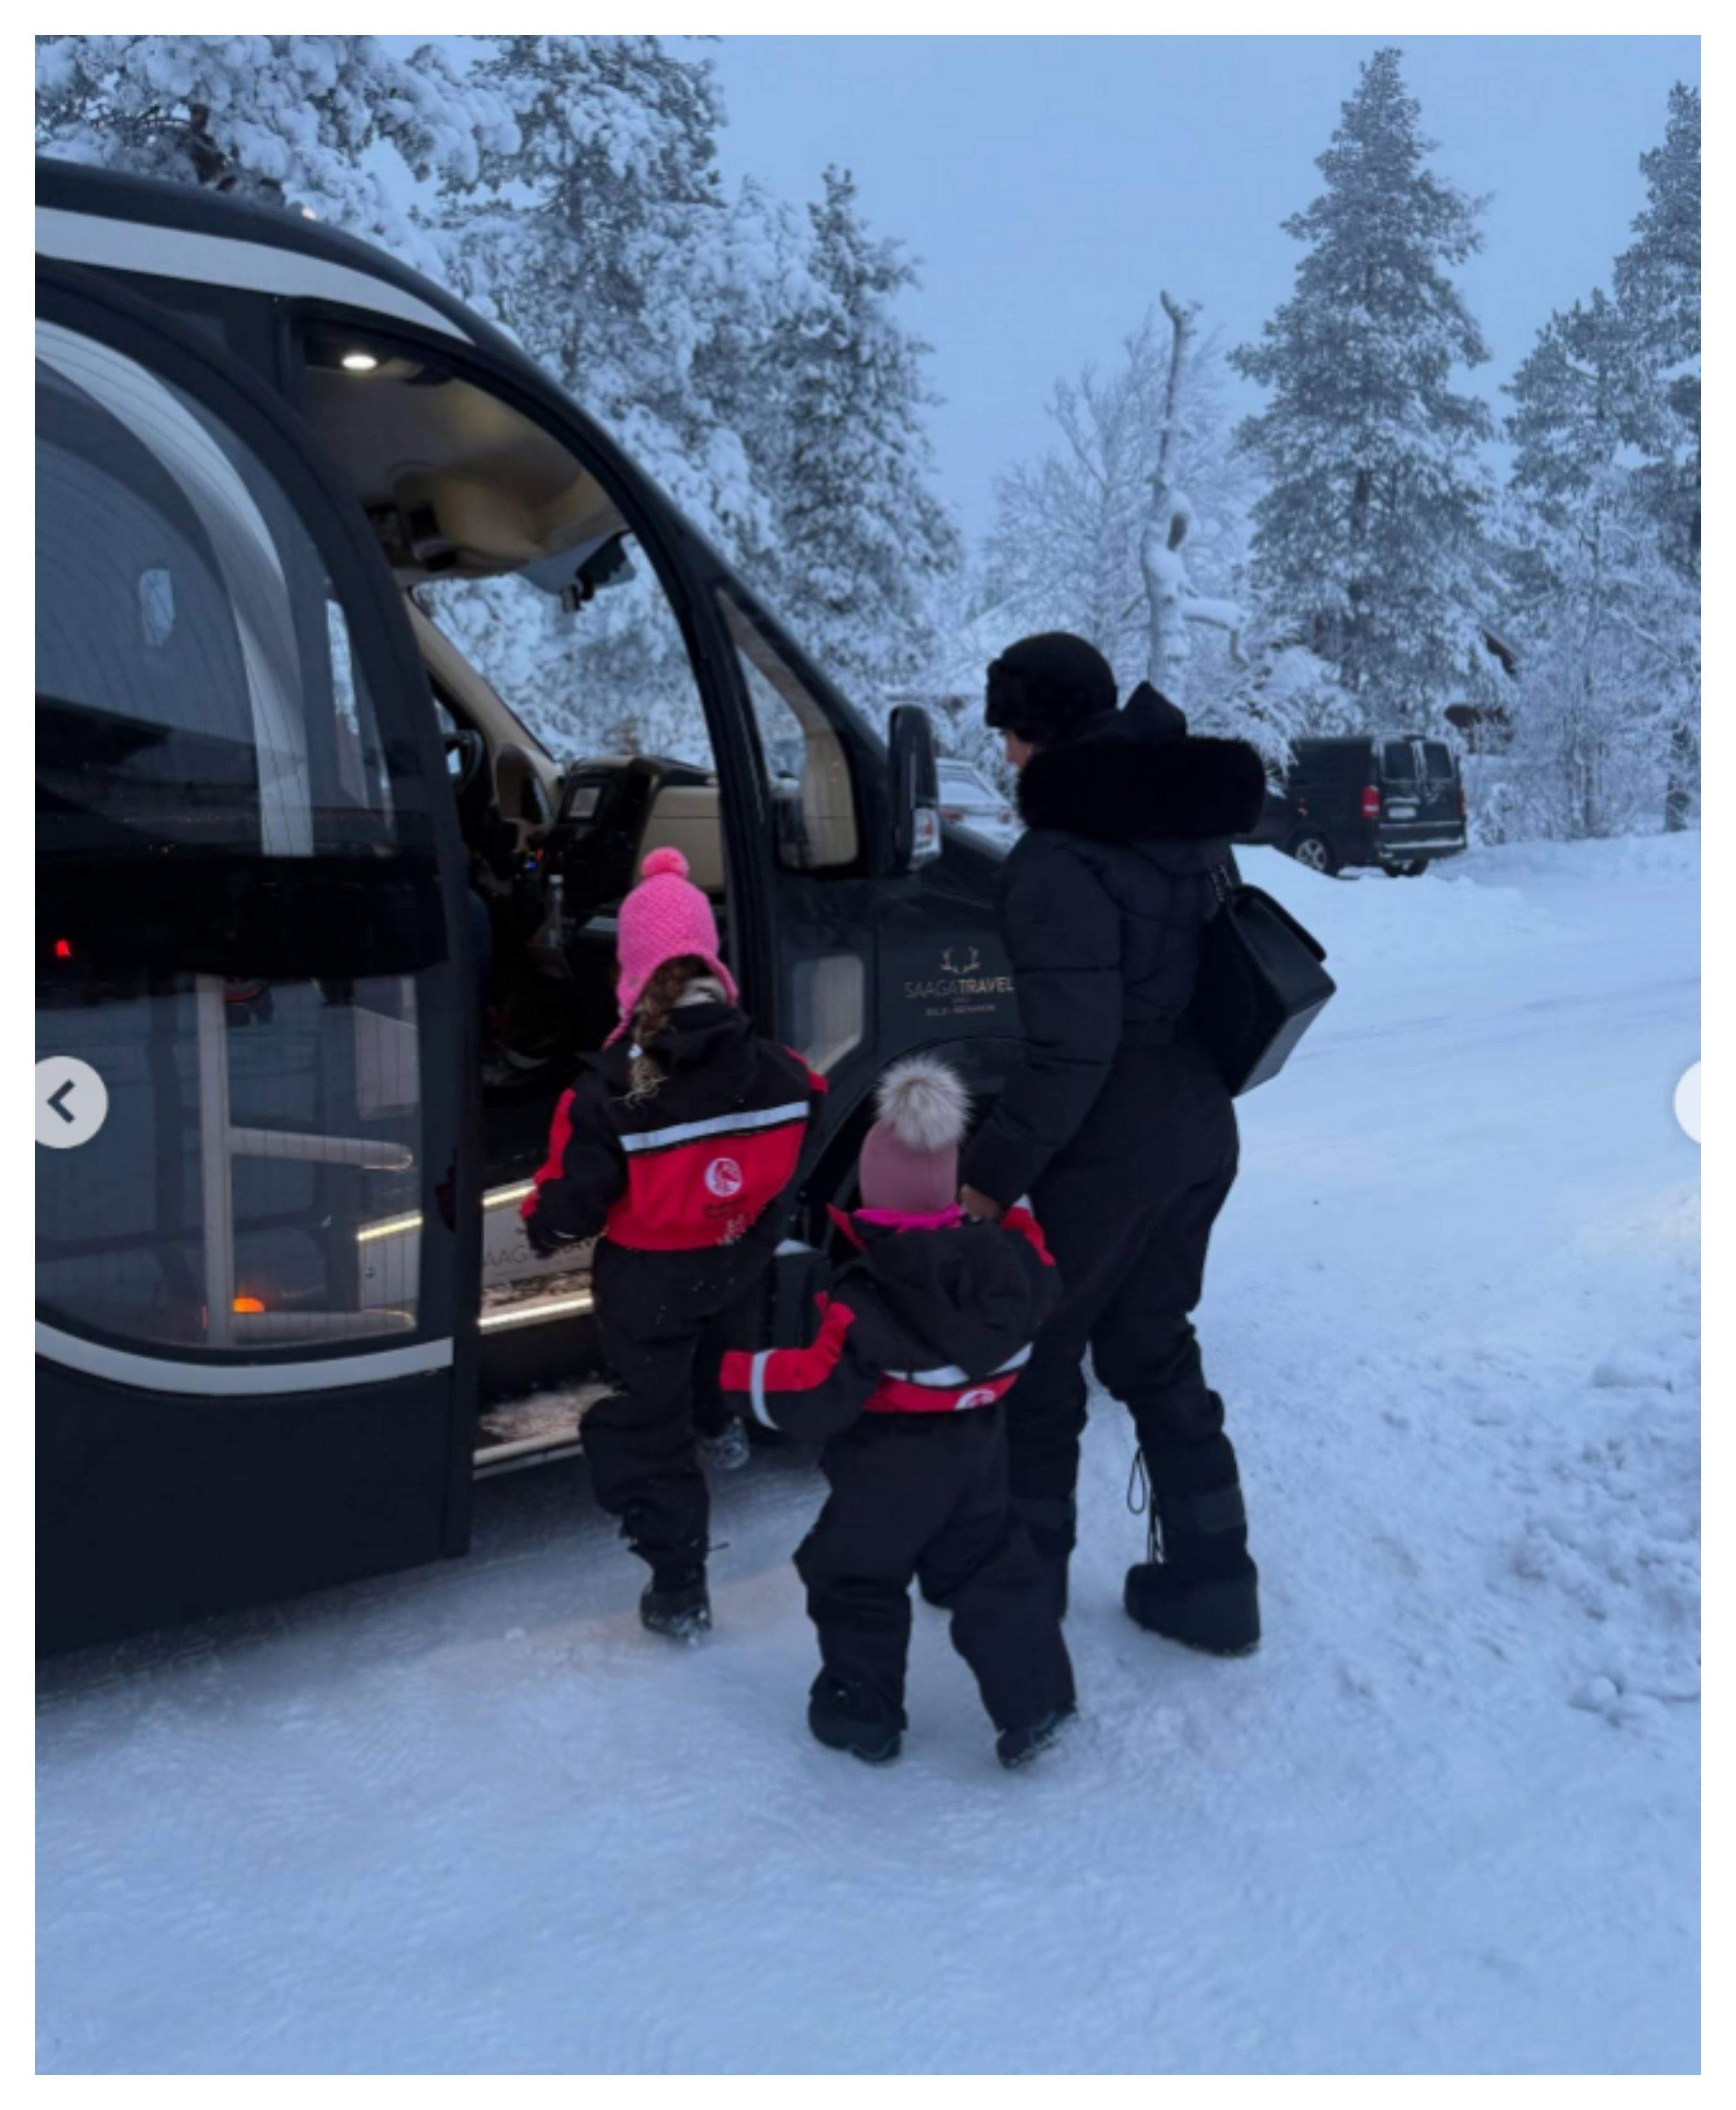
(1197, 1584)
(727, 1448)
(1018, 1747)
(676, 1603)
(844, 1719)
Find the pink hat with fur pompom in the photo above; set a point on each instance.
(665, 918)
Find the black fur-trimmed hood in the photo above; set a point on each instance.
(1134, 776)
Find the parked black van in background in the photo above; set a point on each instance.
(1394, 800)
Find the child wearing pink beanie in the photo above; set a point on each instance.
(675, 1149)
(921, 1339)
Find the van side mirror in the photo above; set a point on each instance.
(914, 787)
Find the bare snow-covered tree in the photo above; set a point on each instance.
(1171, 600)
(1131, 531)
(1066, 548)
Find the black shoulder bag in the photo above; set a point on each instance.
(1261, 984)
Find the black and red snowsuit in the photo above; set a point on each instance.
(688, 1189)
(922, 1337)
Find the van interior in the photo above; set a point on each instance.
(461, 486)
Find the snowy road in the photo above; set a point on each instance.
(470, 1820)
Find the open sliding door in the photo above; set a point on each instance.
(256, 1205)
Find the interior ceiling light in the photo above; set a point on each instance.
(359, 362)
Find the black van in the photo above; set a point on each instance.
(1394, 800)
(284, 824)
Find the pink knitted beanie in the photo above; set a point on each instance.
(663, 918)
(909, 1163)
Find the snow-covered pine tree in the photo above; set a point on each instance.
(864, 541)
(1594, 601)
(1658, 284)
(1367, 539)
(291, 120)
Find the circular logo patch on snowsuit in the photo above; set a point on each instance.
(723, 1176)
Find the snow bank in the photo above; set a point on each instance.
(1367, 921)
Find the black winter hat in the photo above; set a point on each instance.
(1043, 687)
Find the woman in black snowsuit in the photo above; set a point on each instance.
(1116, 1123)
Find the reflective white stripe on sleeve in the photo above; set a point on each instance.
(949, 1374)
(757, 1389)
(660, 1139)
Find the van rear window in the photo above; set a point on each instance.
(1437, 758)
(1398, 759)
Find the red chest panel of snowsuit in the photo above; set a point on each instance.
(696, 1164)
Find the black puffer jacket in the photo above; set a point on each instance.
(1101, 905)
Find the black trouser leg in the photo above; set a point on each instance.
(645, 1467)
(663, 1321)
(741, 1324)
(860, 1559)
(980, 1567)
(1143, 1346)
(1092, 1224)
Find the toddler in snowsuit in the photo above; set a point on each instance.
(677, 1142)
(922, 1336)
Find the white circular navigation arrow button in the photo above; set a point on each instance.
(1688, 1102)
(72, 1101)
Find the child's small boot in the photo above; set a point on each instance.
(1018, 1747)
(844, 1719)
(726, 1448)
(676, 1602)
(1198, 1585)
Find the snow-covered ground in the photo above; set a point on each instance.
(472, 1819)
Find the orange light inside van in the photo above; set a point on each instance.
(248, 1304)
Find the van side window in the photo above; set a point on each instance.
(804, 758)
(219, 811)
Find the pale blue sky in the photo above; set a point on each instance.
(1052, 185)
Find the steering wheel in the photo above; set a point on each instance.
(470, 750)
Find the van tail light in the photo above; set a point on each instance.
(1371, 802)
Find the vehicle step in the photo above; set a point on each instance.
(535, 1430)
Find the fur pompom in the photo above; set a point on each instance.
(924, 1103)
(666, 859)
